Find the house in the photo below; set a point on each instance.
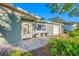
(10, 33)
(32, 28)
(54, 28)
(39, 28)
(70, 27)
(20, 25)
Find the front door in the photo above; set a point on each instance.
(25, 31)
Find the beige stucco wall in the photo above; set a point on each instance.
(54, 29)
(50, 29)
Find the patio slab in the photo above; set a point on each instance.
(31, 44)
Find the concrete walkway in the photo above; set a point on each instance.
(34, 43)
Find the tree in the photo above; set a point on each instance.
(57, 20)
(71, 8)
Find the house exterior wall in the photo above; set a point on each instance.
(33, 29)
(10, 33)
(68, 27)
(75, 26)
(50, 29)
(61, 30)
(54, 29)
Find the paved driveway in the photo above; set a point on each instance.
(34, 43)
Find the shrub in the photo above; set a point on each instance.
(14, 53)
(17, 52)
(26, 54)
(64, 47)
(73, 33)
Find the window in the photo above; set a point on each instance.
(41, 27)
(34, 27)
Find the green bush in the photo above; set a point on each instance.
(18, 53)
(64, 47)
(14, 53)
(26, 54)
(74, 33)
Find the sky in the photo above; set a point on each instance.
(40, 9)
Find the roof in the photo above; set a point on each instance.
(17, 10)
(23, 12)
